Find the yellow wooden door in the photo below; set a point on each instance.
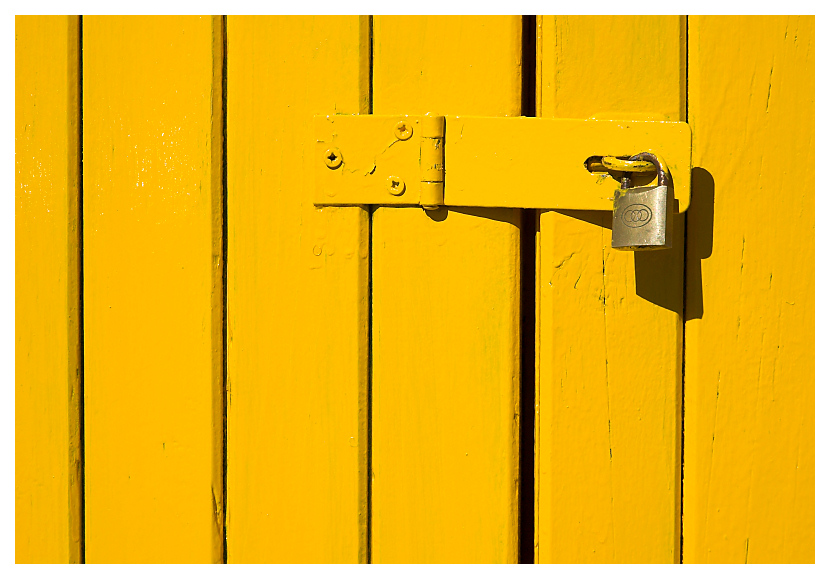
(212, 368)
(48, 499)
(749, 485)
(298, 291)
(153, 299)
(445, 316)
(610, 322)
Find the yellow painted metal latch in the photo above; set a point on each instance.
(435, 161)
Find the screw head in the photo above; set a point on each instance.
(403, 130)
(395, 185)
(333, 158)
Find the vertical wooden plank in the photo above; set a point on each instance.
(749, 491)
(610, 321)
(297, 298)
(48, 487)
(445, 318)
(153, 288)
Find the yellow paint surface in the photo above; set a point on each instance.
(445, 318)
(297, 300)
(153, 299)
(47, 500)
(749, 491)
(444, 348)
(609, 322)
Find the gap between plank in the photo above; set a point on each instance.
(527, 412)
(224, 209)
(682, 425)
(80, 234)
(369, 88)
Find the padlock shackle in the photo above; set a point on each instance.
(662, 174)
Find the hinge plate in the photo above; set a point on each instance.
(492, 161)
(371, 154)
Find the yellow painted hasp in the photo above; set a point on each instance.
(489, 161)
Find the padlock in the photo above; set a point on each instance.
(643, 216)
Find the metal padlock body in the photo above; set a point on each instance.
(642, 218)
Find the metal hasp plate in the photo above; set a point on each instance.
(488, 161)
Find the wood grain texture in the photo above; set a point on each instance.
(445, 318)
(48, 486)
(297, 298)
(153, 298)
(610, 333)
(749, 487)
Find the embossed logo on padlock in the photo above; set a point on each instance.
(637, 215)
